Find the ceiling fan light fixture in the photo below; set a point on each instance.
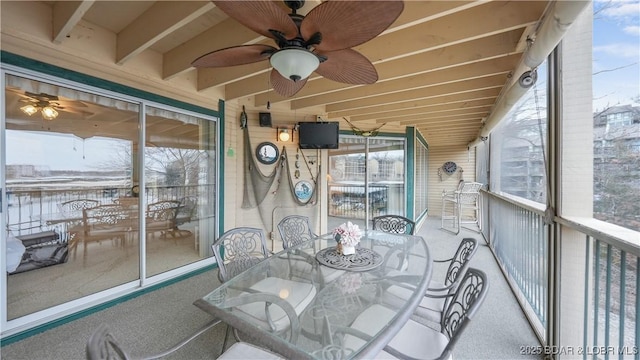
(294, 64)
(49, 113)
(29, 109)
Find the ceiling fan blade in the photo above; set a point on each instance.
(345, 24)
(260, 16)
(42, 96)
(348, 66)
(284, 86)
(235, 55)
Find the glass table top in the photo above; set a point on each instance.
(295, 305)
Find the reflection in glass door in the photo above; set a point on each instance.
(180, 183)
(366, 179)
(68, 163)
(79, 185)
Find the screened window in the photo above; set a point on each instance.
(518, 145)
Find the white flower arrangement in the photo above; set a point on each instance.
(348, 234)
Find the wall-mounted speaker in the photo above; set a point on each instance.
(265, 119)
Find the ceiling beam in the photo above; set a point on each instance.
(443, 100)
(66, 15)
(157, 22)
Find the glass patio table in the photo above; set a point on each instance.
(318, 330)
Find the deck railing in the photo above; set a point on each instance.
(31, 206)
(519, 238)
(610, 276)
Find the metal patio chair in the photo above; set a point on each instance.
(394, 224)
(454, 203)
(238, 250)
(295, 230)
(419, 341)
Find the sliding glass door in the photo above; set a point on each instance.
(366, 179)
(102, 191)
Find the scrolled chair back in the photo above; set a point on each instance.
(294, 230)
(394, 224)
(464, 305)
(460, 260)
(239, 249)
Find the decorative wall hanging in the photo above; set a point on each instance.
(267, 153)
(365, 133)
(303, 190)
(449, 168)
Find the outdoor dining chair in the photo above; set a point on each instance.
(416, 340)
(394, 224)
(239, 249)
(439, 292)
(295, 230)
(102, 344)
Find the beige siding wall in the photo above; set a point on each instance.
(438, 156)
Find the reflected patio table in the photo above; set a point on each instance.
(314, 333)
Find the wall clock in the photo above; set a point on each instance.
(267, 153)
(449, 167)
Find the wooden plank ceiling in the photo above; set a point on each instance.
(441, 65)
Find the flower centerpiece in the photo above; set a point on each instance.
(347, 236)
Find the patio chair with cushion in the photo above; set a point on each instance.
(438, 293)
(239, 249)
(295, 230)
(416, 340)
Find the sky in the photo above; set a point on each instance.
(616, 53)
(616, 80)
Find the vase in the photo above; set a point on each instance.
(348, 250)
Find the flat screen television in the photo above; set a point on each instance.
(318, 135)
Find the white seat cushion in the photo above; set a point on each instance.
(246, 351)
(414, 339)
(370, 322)
(298, 294)
(429, 307)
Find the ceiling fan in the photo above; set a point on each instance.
(321, 41)
(48, 105)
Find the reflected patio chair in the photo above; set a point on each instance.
(186, 213)
(241, 248)
(295, 230)
(102, 345)
(394, 224)
(105, 222)
(454, 204)
(72, 211)
(161, 217)
(438, 292)
(416, 340)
